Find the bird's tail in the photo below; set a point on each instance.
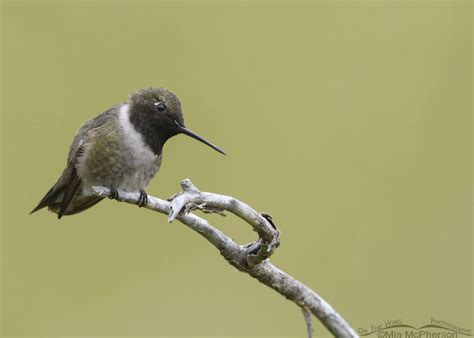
(54, 199)
(49, 199)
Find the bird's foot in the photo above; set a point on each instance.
(143, 200)
(114, 195)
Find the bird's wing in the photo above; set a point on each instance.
(93, 127)
(59, 197)
(88, 133)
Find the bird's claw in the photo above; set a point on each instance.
(114, 195)
(143, 199)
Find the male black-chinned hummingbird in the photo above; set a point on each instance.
(120, 149)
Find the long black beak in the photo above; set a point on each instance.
(188, 132)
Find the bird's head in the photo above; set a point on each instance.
(157, 114)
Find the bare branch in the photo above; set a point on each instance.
(308, 320)
(251, 258)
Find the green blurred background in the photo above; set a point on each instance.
(349, 122)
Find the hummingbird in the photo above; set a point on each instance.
(120, 149)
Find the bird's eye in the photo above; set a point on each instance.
(160, 106)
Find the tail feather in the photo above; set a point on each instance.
(69, 192)
(82, 204)
(48, 199)
(62, 198)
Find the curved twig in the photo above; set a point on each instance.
(251, 258)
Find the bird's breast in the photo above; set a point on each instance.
(142, 163)
(133, 140)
